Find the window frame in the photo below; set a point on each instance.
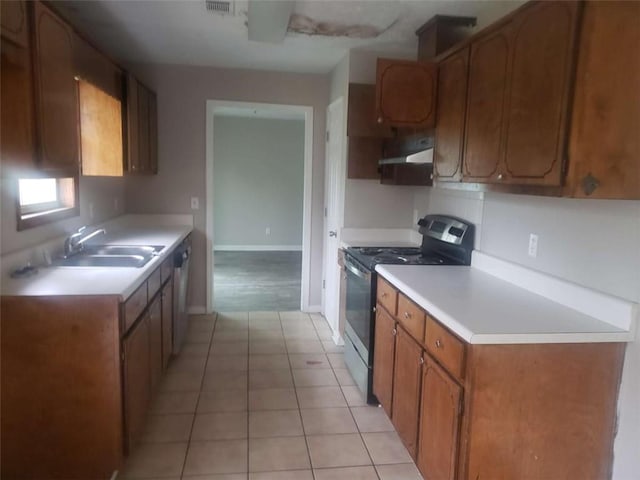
(66, 205)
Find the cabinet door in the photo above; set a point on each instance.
(153, 132)
(137, 384)
(15, 21)
(406, 93)
(55, 91)
(488, 74)
(440, 414)
(383, 353)
(604, 150)
(543, 54)
(406, 390)
(155, 342)
(133, 162)
(452, 103)
(17, 139)
(143, 128)
(167, 322)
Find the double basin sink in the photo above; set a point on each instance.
(136, 256)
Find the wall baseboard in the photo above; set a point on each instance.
(196, 310)
(313, 309)
(257, 248)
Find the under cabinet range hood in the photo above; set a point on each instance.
(415, 149)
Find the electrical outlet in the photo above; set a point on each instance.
(267, 231)
(195, 203)
(91, 211)
(533, 245)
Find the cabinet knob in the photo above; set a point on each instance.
(379, 119)
(384, 295)
(431, 176)
(438, 343)
(421, 361)
(407, 315)
(394, 332)
(500, 176)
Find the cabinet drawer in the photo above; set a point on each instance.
(387, 296)
(134, 306)
(166, 268)
(444, 347)
(411, 317)
(154, 282)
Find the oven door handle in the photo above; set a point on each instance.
(358, 273)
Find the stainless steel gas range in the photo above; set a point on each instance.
(446, 240)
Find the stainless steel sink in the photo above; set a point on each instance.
(135, 256)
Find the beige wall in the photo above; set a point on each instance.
(182, 95)
(102, 192)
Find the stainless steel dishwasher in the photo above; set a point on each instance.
(181, 258)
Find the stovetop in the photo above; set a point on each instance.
(372, 256)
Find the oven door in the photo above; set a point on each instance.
(358, 309)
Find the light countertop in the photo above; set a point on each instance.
(484, 309)
(120, 281)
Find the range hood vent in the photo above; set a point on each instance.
(415, 149)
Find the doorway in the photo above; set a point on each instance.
(258, 180)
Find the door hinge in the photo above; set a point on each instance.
(327, 137)
(325, 211)
(323, 283)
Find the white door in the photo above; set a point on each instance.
(334, 204)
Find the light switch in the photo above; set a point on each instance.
(195, 203)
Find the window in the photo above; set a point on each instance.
(45, 200)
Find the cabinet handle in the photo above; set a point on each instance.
(407, 315)
(421, 361)
(394, 332)
(379, 119)
(438, 343)
(431, 176)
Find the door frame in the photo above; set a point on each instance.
(339, 105)
(307, 111)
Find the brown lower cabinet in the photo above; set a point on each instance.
(475, 412)
(77, 376)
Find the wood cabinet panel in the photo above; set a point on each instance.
(17, 119)
(361, 113)
(143, 129)
(137, 382)
(383, 358)
(167, 322)
(133, 162)
(363, 155)
(452, 102)
(14, 21)
(166, 269)
(406, 93)
(406, 389)
(440, 414)
(134, 306)
(61, 387)
(542, 48)
(488, 77)
(155, 343)
(411, 317)
(55, 91)
(154, 282)
(153, 133)
(445, 347)
(96, 68)
(387, 295)
(604, 149)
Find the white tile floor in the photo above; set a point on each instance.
(264, 396)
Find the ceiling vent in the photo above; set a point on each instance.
(220, 7)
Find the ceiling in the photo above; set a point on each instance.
(183, 31)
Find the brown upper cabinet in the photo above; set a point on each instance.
(518, 97)
(141, 128)
(452, 98)
(14, 21)
(604, 145)
(55, 92)
(406, 93)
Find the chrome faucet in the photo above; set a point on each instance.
(74, 243)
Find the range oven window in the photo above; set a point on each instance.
(358, 300)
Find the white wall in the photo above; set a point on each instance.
(595, 243)
(258, 182)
